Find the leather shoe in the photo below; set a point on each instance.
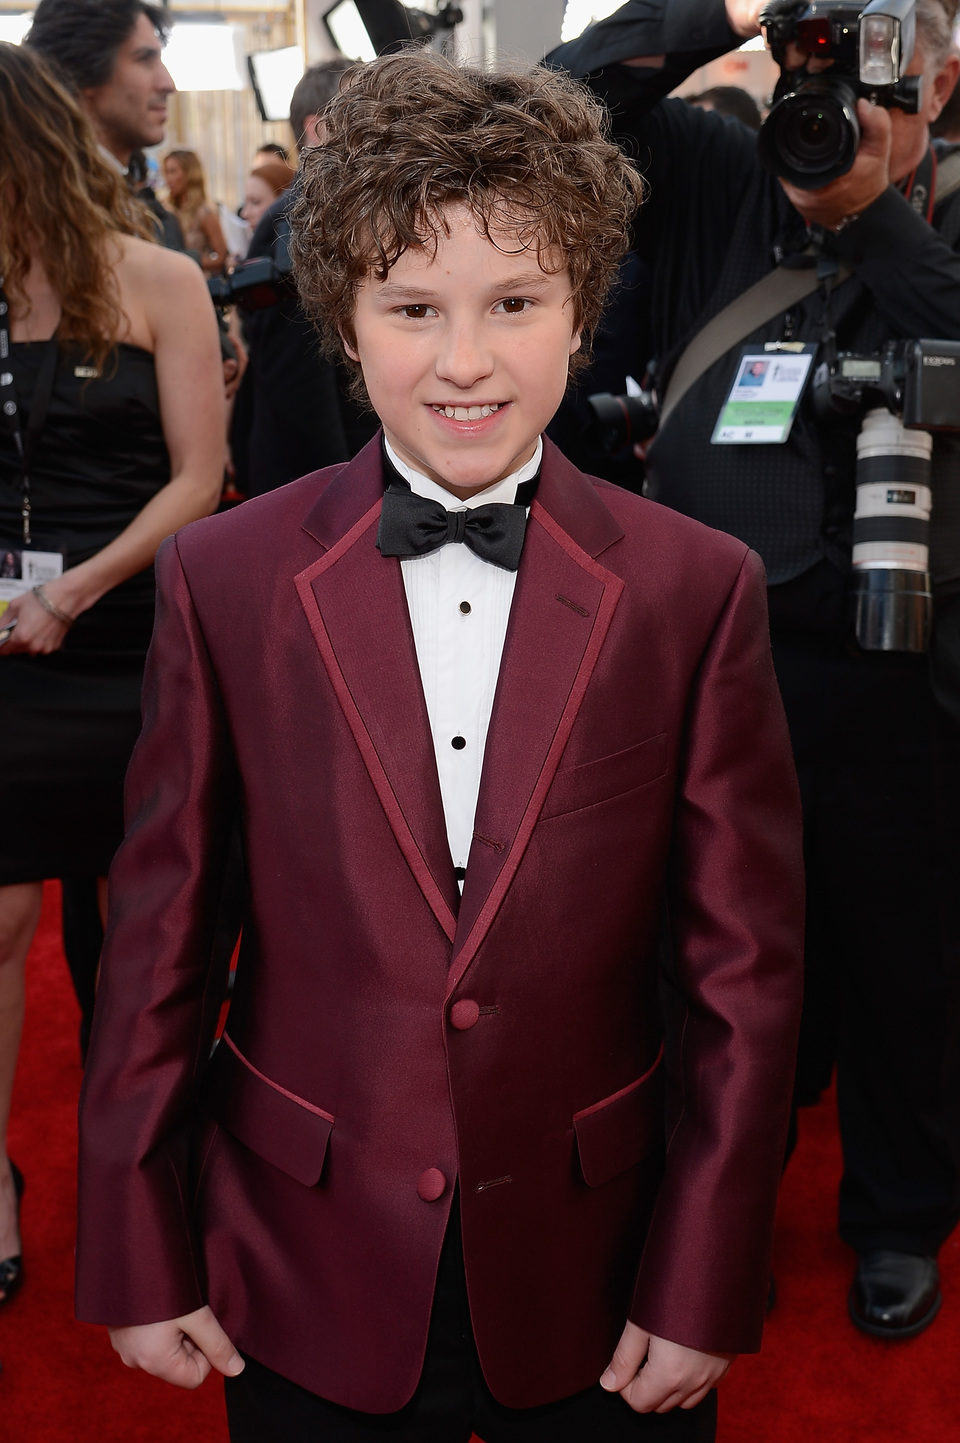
(11, 1269)
(894, 1295)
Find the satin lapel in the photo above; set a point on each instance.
(355, 603)
(561, 612)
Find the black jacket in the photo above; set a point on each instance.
(292, 413)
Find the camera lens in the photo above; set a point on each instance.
(619, 421)
(891, 534)
(811, 135)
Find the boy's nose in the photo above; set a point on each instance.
(464, 358)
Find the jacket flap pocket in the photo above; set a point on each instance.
(285, 1130)
(606, 777)
(615, 1133)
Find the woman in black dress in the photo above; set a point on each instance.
(111, 437)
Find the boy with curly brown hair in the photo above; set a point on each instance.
(500, 1103)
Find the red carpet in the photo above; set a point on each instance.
(817, 1380)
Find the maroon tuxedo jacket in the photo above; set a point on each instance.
(596, 1042)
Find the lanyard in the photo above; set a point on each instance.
(25, 442)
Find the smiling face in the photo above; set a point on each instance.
(464, 353)
(129, 112)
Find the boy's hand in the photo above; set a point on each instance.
(182, 1351)
(654, 1375)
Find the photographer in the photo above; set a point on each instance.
(875, 731)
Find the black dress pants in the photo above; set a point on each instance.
(452, 1400)
(879, 768)
(82, 944)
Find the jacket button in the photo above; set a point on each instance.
(431, 1185)
(464, 1014)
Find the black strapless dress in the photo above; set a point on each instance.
(68, 721)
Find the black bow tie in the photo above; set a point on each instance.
(410, 525)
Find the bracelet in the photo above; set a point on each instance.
(845, 221)
(49, 606)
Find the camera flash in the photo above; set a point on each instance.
(879, 50)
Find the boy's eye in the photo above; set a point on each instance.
(514, 305)
(415, 312)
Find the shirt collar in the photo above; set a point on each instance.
(503, 491)
(111, 160)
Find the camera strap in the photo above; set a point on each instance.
(25, 441)
(920, 186)
(775, 292)
(936, 177)
(946, 175)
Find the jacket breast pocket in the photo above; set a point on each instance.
(286, 1131)
(606, 777)
(618, 1132)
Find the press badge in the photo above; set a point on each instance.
(22, 570)
(765, 394)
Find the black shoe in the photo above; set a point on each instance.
(11, 1269)
(894, 1295)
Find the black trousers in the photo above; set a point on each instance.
(82, 943)
(452, 1400)
(879, 768)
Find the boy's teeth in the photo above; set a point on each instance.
(466, 413)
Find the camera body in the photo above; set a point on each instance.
(918, 381)
(812, 134)
(252, 285)
(263, 281)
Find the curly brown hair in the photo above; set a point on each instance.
(412, 134)
(59, 201)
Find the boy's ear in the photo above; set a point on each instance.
(348, 342)
(576, 340)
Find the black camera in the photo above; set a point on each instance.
(904, 393)
(919, 381)
(616, 422)
(252, 285)
(812, 134)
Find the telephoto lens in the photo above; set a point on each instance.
(891, 534)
